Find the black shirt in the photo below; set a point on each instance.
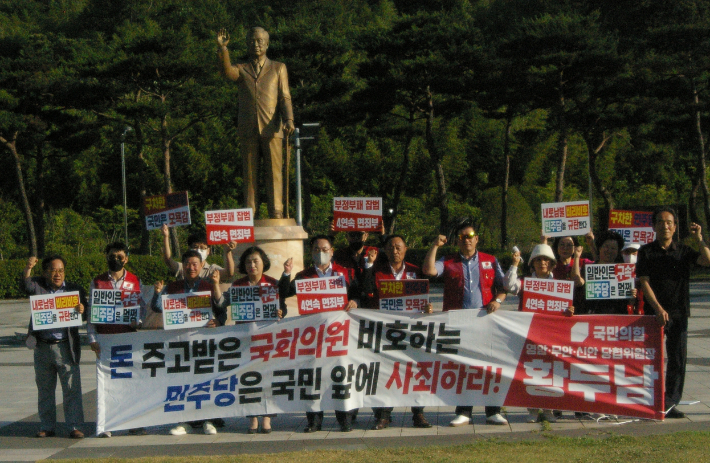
(668, 271)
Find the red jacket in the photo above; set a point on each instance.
(454, 284)
(383, 271)
(130, 295)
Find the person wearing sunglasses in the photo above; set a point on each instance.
(472, 280)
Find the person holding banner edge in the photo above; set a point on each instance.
(663, 270)
(392, 267)
(252, 263)
(192, 283)
(472, 280)
(117, 278)
(57, 352)
(323, 266)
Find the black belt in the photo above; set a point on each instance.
(53, 341)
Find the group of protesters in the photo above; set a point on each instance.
(472, 280)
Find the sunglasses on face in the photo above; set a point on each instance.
(468, 235)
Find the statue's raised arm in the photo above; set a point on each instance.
(229, 71)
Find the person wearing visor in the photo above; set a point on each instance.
(472, 280)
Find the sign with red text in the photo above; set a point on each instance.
(57, 310)
(321, 294)
(403, 295)
(187, 310)
(114, 307)
(357, 214)
(611, 364)
(172, 209)
(609, 281)
(254, 303)
(565, 219)
(230, 225)
(634, 226)
(544, 295)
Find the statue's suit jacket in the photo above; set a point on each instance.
(264, 100)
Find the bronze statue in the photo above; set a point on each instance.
(265, 115)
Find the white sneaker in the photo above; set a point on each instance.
(548, 416)
(179, 430)
(105, 434)
(533, 417)
(209, 428)
(496, 419)
(460, 420)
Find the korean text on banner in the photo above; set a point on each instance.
(565, 219)
(366, 358)
(57, 310)
(108, 306)
(187, 310)
(357, 214)
(634, 226)
(230, 225)
(547, 296)
(321, 294)
(172, 209)
(254, 303)
(403, 295)
(609, 281)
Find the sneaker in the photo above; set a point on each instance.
(496, 419)
(137, 432)
(548, 416)
(105, 434)
(209, 428)
(460, 420)
(533, 417)
(179, 430)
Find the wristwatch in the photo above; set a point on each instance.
(499, 301)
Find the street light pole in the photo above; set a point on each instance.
(123, 177)
(298, 138)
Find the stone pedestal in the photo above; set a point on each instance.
(280, 239)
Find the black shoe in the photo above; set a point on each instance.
(346, 427)
(43, 434)
(419, 421)
(252, 431)
(312, 428)
(675, 413)
(218, 423)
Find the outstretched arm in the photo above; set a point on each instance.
(226, 68)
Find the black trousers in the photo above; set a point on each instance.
(316, 418)
(381, 412)
(676, 331)
(466, 410)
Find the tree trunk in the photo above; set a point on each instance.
(397, 195)
(39, 201)
(438, 164)
(702, 168)
(561, 145)
(142, 175)
(595, 144)
(166, 141)
(506, 181)
(12, 146)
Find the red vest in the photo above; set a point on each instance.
(383, 271)
(454, 284)
(130, 296)
(266, 280)
(338, 270)
(178, 287)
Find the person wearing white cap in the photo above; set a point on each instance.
(542, 261)
(630, 252)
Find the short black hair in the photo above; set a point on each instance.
(320, 237)
(190, 253)
(196, 238)
(610, 235)
(47, 261)
(464, 224)
(117, 245)
(660, 210)
(393, 236)
(248, 252)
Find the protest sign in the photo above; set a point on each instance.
(172, 209)
(254, 303)
(369, 358)
(634, 226)
(187, 310)
(609, 281)
(403, 295)
(321, 294)
(547, 296)
(114, 307)
(56, 310)
(565, 219)
(357, 214)
(230, 225)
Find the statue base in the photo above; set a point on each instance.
(280, 239)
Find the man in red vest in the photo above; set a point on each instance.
(392, 268)
(472, 280)
(117, 278)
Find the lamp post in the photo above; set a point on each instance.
(298, 138)
(123, 178)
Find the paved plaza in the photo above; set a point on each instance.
(19, 421)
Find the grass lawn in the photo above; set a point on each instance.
(675, 448)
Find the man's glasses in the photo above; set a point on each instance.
(469, 235)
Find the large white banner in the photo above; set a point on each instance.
(371, 358)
